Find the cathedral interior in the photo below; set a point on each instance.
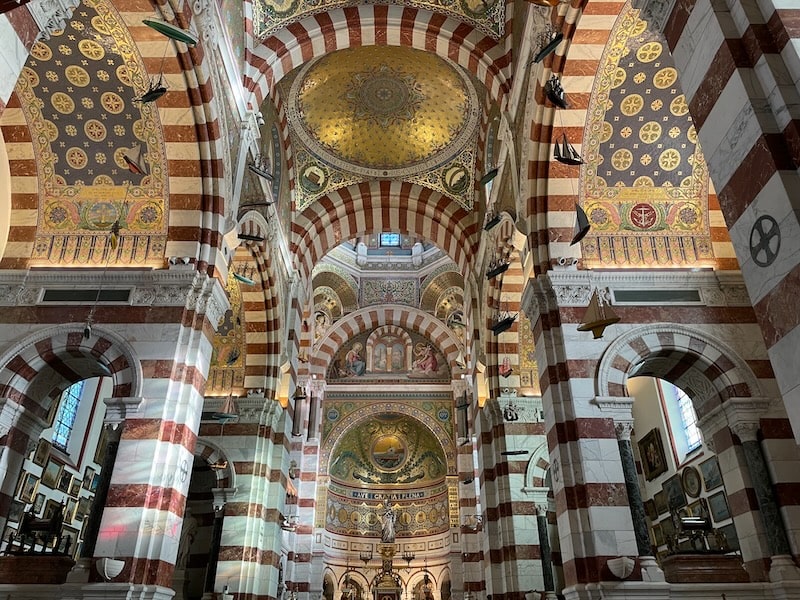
(399, 300)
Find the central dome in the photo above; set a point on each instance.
(383, 110)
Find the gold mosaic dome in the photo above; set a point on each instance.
(383, 110)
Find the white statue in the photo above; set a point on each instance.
(388, 519)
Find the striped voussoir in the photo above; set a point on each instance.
(372, 207)
(317, 35)
(264, 309)
(18, 31)
(368, 319)
(749, 126)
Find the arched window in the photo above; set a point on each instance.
(65, 419)
(682, 419)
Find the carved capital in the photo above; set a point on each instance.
(744, 416)
(623, 429)
(655, 12)
(222, 496)
(746, 431)
(120, 409)
(207, 19)
(51, 15)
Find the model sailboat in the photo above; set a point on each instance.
(599, 315)
(582, 226)
(564, 152)
(555, 93)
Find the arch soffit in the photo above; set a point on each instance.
(341, 427)
(369, 318)
(213, 454)
(24, 365)
(285, 50)
(386, 206)
(536, 470)
(725, 373)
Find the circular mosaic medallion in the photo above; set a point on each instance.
(631, 105)
(388, 452)
(112, 102)
(649, 52)
(643, 215)
(95, 130)
(665, 78)
(678, 106)
(76, 158)
(62, 103)
(77, 75)
(650, 132)
(765, 241)
(622, 159)
(91, 49)
(40, 51)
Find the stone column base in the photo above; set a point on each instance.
(783, 568)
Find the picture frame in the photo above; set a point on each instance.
(712, 476)
(42, 452)
(658, 536)
(38, 504)
(84, 505)
(50, 507)
(692, 483)
(51, 473)
(29, 484)
(731, 538)
(651, 451)
(676, 497)
(667, 527)
(88, 476)
(72, 534)
(660, 500)
(69, 511)
(95, 482)
(16, 511)
(64, 481)
(75, 487)
(718, 507)
(650, 510)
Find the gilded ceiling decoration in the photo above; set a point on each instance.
(270, 16)
(528, 367)
(77, 92)
(645, 185)
(228, 356)
(383, 112)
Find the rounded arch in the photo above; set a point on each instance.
(254, 224)
(346, 423)
(388, 330)
(375, 206)
(537, 467)
(369, 318)
(215, 457)
(487, 59)
(36, 369)
(703, 366)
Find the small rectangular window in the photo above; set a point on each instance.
(390, 240)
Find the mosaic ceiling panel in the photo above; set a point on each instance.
(228, 353)
(383, 112)
(645, 185)
(270, 16)
(77, 93)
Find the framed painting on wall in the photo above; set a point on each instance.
(660, 500)
(650, 509)
(651, 450)
(42, 452)
(691, 482)
(676, 497)
(712, 477)
(718, 507)
(51, 474)
(27, 487)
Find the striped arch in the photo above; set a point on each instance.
(212, 454)
(264, 309)
(388, 330)
(503, 294)
(370, 318)
(703, 366)
(39, 367)
(368, 24)
(536, 472)
(375, 206)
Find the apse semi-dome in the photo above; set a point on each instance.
(383, 111)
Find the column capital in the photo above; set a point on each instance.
(16, 415)
(120, 409)
(655, 12)
(623, 429)
(619, 408)
(222, 496)
(744, 416)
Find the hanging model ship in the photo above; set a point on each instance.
(496, 267)
(503, 322)
(550, 41)
(555, 93)
(492, 220)
(582, 226)
(564, 152)
(599, 315)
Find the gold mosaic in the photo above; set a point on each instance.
(645, 183)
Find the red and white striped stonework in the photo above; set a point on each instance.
(370, 318)
(737, 65)
(378, 25)
(375, 206)
(257, 448)
(18, 32)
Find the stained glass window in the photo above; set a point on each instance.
(689, 420)
(390, 239)
(65, 419)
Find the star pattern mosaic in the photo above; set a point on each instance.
(77, 92)
(645, 183)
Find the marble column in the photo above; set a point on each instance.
(744, 420)
(623, 430)
(544, 549)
